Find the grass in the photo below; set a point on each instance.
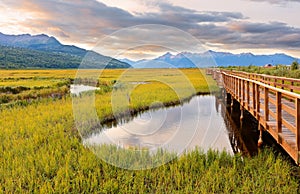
(41, 150)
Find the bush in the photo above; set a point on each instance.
(295, 65)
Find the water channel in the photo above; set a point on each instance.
(205, 121)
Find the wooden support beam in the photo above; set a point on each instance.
(260, 140)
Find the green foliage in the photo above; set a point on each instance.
(295, 65)
(279, 70)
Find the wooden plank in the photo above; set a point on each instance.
(272, 101)
(288, 109)
(288, 148)
(288, 125)
(272, 114)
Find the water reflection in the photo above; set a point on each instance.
(204, 121)
(242, 136)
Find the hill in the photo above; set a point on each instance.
(42, 51)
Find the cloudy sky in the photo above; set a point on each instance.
(258, 26)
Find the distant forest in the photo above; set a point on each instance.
(22, 58)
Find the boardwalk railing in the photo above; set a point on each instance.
(277, 110)
(285, 83)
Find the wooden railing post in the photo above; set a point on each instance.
(230, 81)
(253, 98)
(292, 84)
(257, 102)
(248, 94)
(243, 94)
(266, 100)
(282, 82)
(235, 87)
(298, 126)
(240, 90)
(278, 116)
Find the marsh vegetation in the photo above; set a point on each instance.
(41, 149)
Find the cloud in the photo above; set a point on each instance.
(87, 21)
(266, 35)
(276, 1)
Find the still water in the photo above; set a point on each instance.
(202, 122)
(78, 89)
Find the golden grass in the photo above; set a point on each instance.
(41, 150)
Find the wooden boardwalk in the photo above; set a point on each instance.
(273, 101)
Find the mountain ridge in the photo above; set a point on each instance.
(211, 58)
(32, 51)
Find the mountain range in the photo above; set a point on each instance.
(210, 58)
(42, 51)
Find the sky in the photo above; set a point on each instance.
(112, 26)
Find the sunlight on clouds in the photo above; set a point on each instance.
(134, 6)
(236, 25)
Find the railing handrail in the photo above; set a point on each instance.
(285, 92)
(265, 75)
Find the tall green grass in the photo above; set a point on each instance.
(41, 152)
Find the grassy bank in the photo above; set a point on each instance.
(41, 150)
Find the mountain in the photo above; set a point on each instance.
(128, 61)
(42, 51)
(165, 61)
(245, 59)
(212, 58)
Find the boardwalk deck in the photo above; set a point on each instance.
(275, 105)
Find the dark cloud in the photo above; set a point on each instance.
(87, 21)
(266, 35)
